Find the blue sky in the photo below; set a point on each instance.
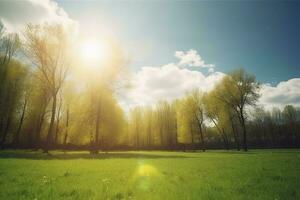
(262, 37)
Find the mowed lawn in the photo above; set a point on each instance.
(257, 174)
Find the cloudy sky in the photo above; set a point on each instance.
(175, 46)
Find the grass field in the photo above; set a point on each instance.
(258, 174)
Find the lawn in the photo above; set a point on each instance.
(257, 174)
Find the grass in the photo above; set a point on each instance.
(258, 174)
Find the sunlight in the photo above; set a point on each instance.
(95, 52)
(147, 170)
(144, 176)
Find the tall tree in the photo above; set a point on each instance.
(11, 101)
(197, 110)
(47, 46)
(9, 44)
(215, 110)
(238, 90)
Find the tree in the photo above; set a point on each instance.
(39, 104)
(192, 117)
(26, 93)
(12, 95)
(9, 44)
(47, 46)
(238, 90)
(57, 129)
(185, 121)
(149, 123)
(216, 111)
(233, 120)
(290, 117)
(197, 110)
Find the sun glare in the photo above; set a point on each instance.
(95, 52)
(147, 170)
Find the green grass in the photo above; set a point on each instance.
(258, 174)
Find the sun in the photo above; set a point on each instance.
(95, 52)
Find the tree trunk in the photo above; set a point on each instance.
(192, 133)
(161, 134)
(67, 126)
(222, 133)
(149, 135)
(16, 139)
(202, 138)
(57, 122)
(5, 132)
(39, 125)
(1, 116)
(97, 136)
(137, 136)
(235, 135)
(1, 126)
(225, 139)
(176, 134)
(50, 130)
(244, 132)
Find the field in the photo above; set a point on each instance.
(257, 174)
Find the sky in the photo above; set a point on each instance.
(175, 46)
(262, 37)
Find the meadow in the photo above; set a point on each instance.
(257, 174)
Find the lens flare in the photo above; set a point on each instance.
(147, 170)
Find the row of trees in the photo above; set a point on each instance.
(191, 118)
(202, 120)
(275, 128)
(51, 99)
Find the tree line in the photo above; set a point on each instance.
(50, 100)
(205, 121)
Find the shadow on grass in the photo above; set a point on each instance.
(256, 151)
(234, 152)
(83, 155)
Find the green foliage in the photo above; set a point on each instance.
(11, 95)
(191, 117)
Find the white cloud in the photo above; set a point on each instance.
(285, 92)
(211, 70)
(167, 82)
(171, 81)
(16, 14)
(191, 58)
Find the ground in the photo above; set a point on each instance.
(257, 174)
